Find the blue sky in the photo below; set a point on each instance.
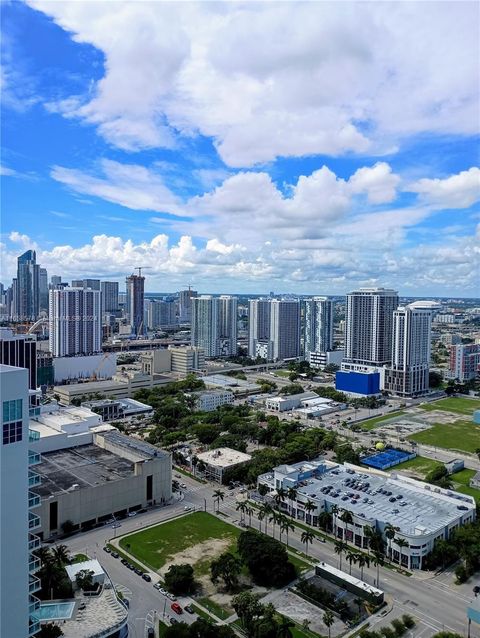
(306, 148)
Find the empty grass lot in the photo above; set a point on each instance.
(420, 465)
(461, 482)
(371, 424)
(460, 435)
(157, 545)
(457, 405)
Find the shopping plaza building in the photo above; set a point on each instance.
(422, 513)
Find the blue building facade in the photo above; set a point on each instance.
(364, 383)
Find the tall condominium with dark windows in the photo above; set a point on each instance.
(27, 304)
(75, 323)
(43, 290)
(369, 326)
(214, 325)
(135, 304)
(109, 291)
(284, 329)
(19, 351)
(259, 328)
(408, 375)
(185, 305)
(318, 325)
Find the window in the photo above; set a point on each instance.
(12, 432)
(12, 410)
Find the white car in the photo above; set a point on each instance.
(132, 513)
(187, 508)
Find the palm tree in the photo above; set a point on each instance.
(390, 532)
(217, 497)
(335, 510)
(286, 526)
(401, 543)
(369, 533)
(61, 555)
(274, 519)
(261, 515)
(347, 519)
(307, 537)
(324, 520)
(328, 620)
(283, 629)
(339, 548)
(280, 496)
(363, 561)
(249, 511)
(309, 507)
(44, 554)
(266, 509)
(377, 561)
(292, 496)
(241, 507)
(351, 558)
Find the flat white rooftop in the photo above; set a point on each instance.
(223, 457)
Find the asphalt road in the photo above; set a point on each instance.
(434, 600)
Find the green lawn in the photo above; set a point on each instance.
(156, 545)
(214, 608)
(282, 373)
(461, 482)
(458, 405)
(420, 465)
(373, 423)
(202, 614)
(300, 632)
(460, 435)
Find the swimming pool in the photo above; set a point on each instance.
(55, 611)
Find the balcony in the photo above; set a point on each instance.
(33, 479)
(33, 564)
(33, 436)
(33, 521)
(33, 604)
(33, 458)
(33, 499)
(33, 626)
(34, 584)
(33, 542)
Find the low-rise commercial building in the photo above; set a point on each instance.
(421, 513)
(210, 400)
(289, 402)
(58, 427)
(112, 409)
(89, 484)
(464, 363)
(218, 461)
(323, 359)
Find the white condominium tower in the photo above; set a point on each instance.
(284, 329)
(214, 325)
(75, 322)
(409, 371)
(17, 522)
(369, 326)
(259, 328)
(318, 325)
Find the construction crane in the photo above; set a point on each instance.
(139, 268)
(94, 376)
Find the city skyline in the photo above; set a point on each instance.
(303, 171)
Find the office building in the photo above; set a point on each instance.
(186, 359)
(227, 326)
(18, 522)
(318, 325)
(135, 303)
(408, 375)
(109, 291)
(55, 280)
(369, 327)
(217, 462)
(422, 514)
(284, 329)
(43, 290)
(259, 328)
(75, 326)
(27, 287)
(161, 314)
(210, 400)
(185, 305)
(93, 284)
(19, 351)
(464, 363)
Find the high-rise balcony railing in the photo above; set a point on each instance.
(33, 436)
(33, 564)
(34, 584)
(33, 542)
(33, 479)
(33, 521)
(33, 499)
(33, 604)
(33, 626)
(33, 458)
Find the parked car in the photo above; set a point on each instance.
(132, 513)
(147, 577)
(189, 609)
(114, 554)
(107, 549)
(150, 632)
(176, 608)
